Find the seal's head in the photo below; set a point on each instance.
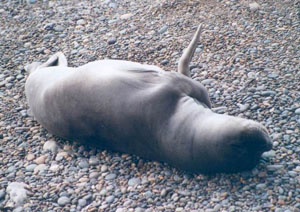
(231, 145)
(243, 148)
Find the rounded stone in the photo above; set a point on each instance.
(50, 146)
(110, 176)
(110, 199)
(83, 164)
(62, 201)
(134, 181)
(82, 202)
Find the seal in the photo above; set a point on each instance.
(143, 110)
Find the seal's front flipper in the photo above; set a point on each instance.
(32, 67)
(58, 59)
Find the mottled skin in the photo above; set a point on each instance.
(143, 110)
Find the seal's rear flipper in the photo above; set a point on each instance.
(184, 61)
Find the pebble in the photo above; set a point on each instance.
(93, 161)
(62, 201)
(163, 30)
(110, 199)
(254, 6)
(274, 167)
(268, 93)
(297, 111)
(261, 186)
(31, 167)
(2, 194)
(41, 159)
(82, 202)
(83, 164)
(81, 22)
(31, 1)
(269, 154)
(110, 176)
(17, 193)
(112, 40)
(50, 146)
(30, 157)
(134, 181)
(49, 26)
(126, 16)
(40, 168)
(59, 28)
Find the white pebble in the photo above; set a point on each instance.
(17, 193)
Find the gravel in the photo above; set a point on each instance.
(247, 57)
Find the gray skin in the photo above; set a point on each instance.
(141, 109)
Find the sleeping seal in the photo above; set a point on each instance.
(141, 109)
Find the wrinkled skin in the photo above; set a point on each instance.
(141, 109)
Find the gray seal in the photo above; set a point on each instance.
(140, 109)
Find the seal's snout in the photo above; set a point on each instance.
(256, 138)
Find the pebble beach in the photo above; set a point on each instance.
(248, 58)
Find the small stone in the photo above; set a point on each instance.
(134, 181)
(297, 111)
(163, 30)
(93, 161)
(268, 93)
(112, 40)
(110, 176)
(82, 202)
(126, 16)
(81, 22)
(30, 157)
(180, 209)
(48, 36)
(2, 194)
(274, 167)
(261, 186)
(17, 193)
(94, 175)
(244, 107)
(104, 168)
(31, 1)
(138, 209)
(54, 168)
(62, 201)
(273, 75)
(254, 6)
(30, 167)
(49, 26)
(83, 164)
(41, 159)
(164, 62)
(110, 199)
(59, 28)
(112, 5)
(207, 81)
(50, 146)
(148, 194)
(121, 210)
(40, 168)
(268, 154)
